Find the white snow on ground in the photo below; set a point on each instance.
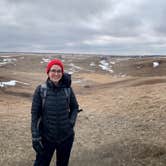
(92, 64)
(7, 56)
(73, 68)
(105, 66)
(45, 60)
(11, 83)
(155, 64)
(112, 63)
(70, 72)
(6, 60)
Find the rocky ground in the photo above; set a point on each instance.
(124, 103)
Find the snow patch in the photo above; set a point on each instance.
(45, 60)
(6, 60)
(155, 64)
(73, 68)
(11, 83)
(105, 66)
(92, 64)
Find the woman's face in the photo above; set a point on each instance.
(55, 73)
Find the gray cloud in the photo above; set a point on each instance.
(107, 26)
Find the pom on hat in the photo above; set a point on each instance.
(54, 62)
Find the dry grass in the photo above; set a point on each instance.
(123, 123)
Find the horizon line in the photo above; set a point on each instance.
(69, 53)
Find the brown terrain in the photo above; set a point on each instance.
(124, 117)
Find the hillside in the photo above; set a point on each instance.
(124, 100)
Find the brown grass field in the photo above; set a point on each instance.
(124, 117)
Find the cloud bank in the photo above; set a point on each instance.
(127, 27)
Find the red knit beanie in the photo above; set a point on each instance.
(54, 62)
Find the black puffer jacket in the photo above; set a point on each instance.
(58, 116)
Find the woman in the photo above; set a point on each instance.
(58, 115)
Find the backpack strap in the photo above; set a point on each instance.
(43, 94)
(68, 93)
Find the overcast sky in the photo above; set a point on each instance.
(121, 27)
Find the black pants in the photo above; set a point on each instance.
(63, 150)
